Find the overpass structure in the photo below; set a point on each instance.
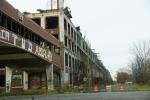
(35, 58)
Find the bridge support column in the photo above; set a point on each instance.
(50, 77)
(8, 79)
(25, 81)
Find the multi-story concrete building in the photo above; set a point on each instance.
(47, 52)
(79, 61)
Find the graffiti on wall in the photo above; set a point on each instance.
(43, 53)
(17, 80)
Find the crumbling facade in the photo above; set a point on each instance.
(80, 61)
(48, 53)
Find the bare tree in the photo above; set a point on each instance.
(123, 77)
(141, 62)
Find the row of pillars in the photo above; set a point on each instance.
(9, 73)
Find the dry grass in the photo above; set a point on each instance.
(142, 87)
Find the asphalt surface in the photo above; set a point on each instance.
(86, 96)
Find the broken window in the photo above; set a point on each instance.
(2, 80)
(69, 42)
(66, 41)
(51, 22)
(56, 36)
(50, 46)
(4, 20)
(22, 31)
(14, 26)
(37, 21)
(72, 33)
(75, 48)
(72, 46)
(74, 36)
(70, 61)
(8, 23)
(26, 34)
(83, 45)
(0, 18)
(69, 29)
(57, 50)
(66, 59)
(78, 50)
(17, 28)
(65, 25)
(73, 63)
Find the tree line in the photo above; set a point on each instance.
(139, 65)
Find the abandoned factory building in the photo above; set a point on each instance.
(45, 50)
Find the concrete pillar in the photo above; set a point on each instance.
(62, 78)
(66, 77)
(60, 4)
(8, 79)
(43, 22)
(61, 27)
(25, 81)
(43, 81)
(50, 77)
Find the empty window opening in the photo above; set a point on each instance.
(0, 19)
(65, 25)
(66, 41)
(73, 63)
(37, 21)
(2, 80)
(69, 42)
(66, 59)
(4, 20)
(57, 50)
(70, 61)
(69, 29)
(75, 36)
(21, 30)
(56, 36)
(73, 47)
(52, 22)
(8, 23)
(14, 27)
(72, 33)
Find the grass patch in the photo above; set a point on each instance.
(39, 92)
(29, 92)
(69, 90)
(142, 87)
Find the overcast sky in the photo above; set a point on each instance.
(111, 26)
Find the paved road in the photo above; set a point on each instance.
(87, 96)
